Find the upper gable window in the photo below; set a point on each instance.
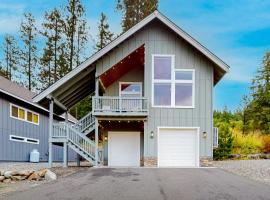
(172, 87)
(130, 89)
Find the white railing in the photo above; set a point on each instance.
(66, 131)
(59, 130)
(120, 105)
(85, 122)
(81, 141)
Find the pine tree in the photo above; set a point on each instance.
(225, 141)
(46, 73)
(104, 34)
(82, 38)
(74, 19)
(52, 30)
(11, 56)
(261, 95)
(134, 12)
(29, 52)
(245, 111)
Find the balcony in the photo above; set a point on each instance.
(120, 106)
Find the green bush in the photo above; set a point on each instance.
(225, 140)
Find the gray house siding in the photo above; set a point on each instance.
(158, 39)
(19, 151)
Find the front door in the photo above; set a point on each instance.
(124, 149)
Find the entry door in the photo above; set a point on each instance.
(178, 147)
(124, 148)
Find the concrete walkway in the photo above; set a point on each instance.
(149, 184)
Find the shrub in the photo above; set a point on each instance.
(266, 143)
(247, 144)
(225, 140)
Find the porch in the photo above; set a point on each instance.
(119, 106)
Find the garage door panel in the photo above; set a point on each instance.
(177, 147)
(124, 149)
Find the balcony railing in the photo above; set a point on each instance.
(116, 106)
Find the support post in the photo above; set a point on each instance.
(97, 87)
(65, 156)
(65, 147)
(50, 133)
(96, 142)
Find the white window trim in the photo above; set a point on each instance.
(25, 114)
(172, 81)
(139, 93)
(25, 139)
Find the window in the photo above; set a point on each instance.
(23, 114)
(14, 111)
(172, 87)
(130, 89)
(184, 88)
(23, 139)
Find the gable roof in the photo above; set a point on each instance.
(21, 93)
(155, 15)
(15, 89)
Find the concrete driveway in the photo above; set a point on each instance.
(149, 183)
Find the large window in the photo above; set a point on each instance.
(172, 87)
(23, 114)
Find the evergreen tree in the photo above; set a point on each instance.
(134, 12)
(82, 38)
(74, 19)
(29, 52)
(104, 34)
(46, 74)
(52, 61)
(52, 30)
(245, 113)
(225, 142)
(11, 56)
(261, 95)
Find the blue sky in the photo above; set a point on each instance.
(236, 31)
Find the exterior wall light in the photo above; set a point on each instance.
(105, 138)
(152, 134)
(204, 134)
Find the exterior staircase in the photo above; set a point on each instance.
(86, 125)
(76, 137)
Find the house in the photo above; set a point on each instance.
(24, 125)
(152, 103)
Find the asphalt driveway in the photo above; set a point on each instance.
(149, 183)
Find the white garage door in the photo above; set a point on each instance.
(124, 148)
(178, 147)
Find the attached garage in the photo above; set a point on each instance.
(178, 147)
(124, 149)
